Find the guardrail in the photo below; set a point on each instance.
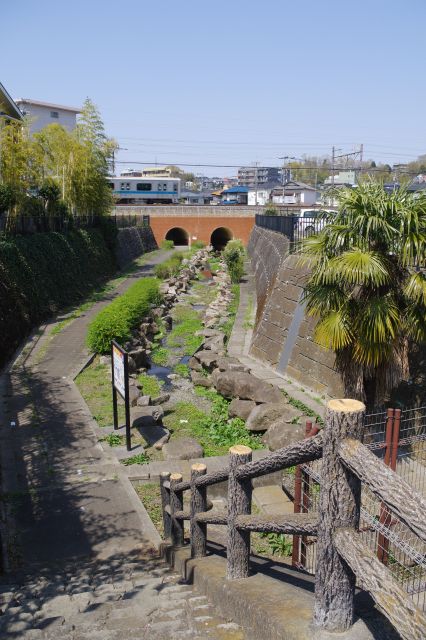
(296, 228)
(342, 557)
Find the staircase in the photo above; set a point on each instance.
(119, 599)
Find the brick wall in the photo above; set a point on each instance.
(201, 227)
(283, 335)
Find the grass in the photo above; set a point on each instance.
(248, 324)
(182, 370)
(214, 431)
(94, 384)
(298, 404)
(151, 499)
(160, 356)
(186, 322)
(232, 310)
(151, 385)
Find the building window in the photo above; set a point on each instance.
(143, 186)
(54, 114)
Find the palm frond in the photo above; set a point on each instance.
(360, 267)
(415, 289)
(333, 331)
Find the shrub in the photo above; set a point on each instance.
(198, 244)
(167, 244)
(170, 267)
(271, 211)
(44, 272)
(116, 321)
(233, 255)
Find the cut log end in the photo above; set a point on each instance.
(176, 477)
(165, 475)
(199, 466)
(239, 450)
(345, 405)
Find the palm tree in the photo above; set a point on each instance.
(367, 286)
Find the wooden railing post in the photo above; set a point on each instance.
(165, 503)
(296, 553)
(198, 505)
(176, 504)
(239, 503)
(339, 506)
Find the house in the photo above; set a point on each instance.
(157, 172)
(44, 113)
(262, 195)
(347, 178)
(9, 110)
(195, 197)
(235, 195)
(293, 192)
(252, 176)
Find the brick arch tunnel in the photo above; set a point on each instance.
(178, 235)
(220, 238)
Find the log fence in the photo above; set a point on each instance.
(343, 560)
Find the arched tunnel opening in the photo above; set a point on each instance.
(179, 236)
(220, 238)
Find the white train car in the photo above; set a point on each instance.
(130, 190)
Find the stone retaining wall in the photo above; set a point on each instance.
(283, 335)
(266, 249)
(132, 242)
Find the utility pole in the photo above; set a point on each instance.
(333, 154)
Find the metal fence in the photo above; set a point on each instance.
(296, 228)
(13, 225)
(398, 438)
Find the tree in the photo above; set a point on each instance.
(366, 286)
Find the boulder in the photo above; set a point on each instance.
(263, 415)
(161, 399)
(134, 394)
(143, 401)
(194, 364)
(182, 449)
(105, 360)
(281, 434)
(224, 362)
(207, 333)
(132, 365)
(154, 434)
(200, 380)
(236, 384)
(241, 408)
(208, 359)
(215, 343)
(145, 416)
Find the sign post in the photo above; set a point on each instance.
(120, 384)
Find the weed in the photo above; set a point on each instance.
(139, 458)
(114, 440)
(232, 310)
(151, 499)
(160, 356)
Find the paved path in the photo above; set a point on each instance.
(75, 514)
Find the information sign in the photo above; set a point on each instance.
(120, 384)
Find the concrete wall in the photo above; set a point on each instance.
(283, 335)
(132, 242)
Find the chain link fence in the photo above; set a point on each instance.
(398, 438)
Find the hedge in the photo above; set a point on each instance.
(116, 321)
(44, 272)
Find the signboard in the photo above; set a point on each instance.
(118, 378)
(120, 384)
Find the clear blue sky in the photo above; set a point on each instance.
(228, 82)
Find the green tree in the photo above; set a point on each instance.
(366, 286)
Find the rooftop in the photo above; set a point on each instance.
(7, 105)
(49, 105)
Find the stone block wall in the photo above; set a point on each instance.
(267, 250)
(283, 335)
(132, 242)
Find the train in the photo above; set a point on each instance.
(130, 190)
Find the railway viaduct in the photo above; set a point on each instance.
(186, 223)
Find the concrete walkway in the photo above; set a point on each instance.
(65, 493)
